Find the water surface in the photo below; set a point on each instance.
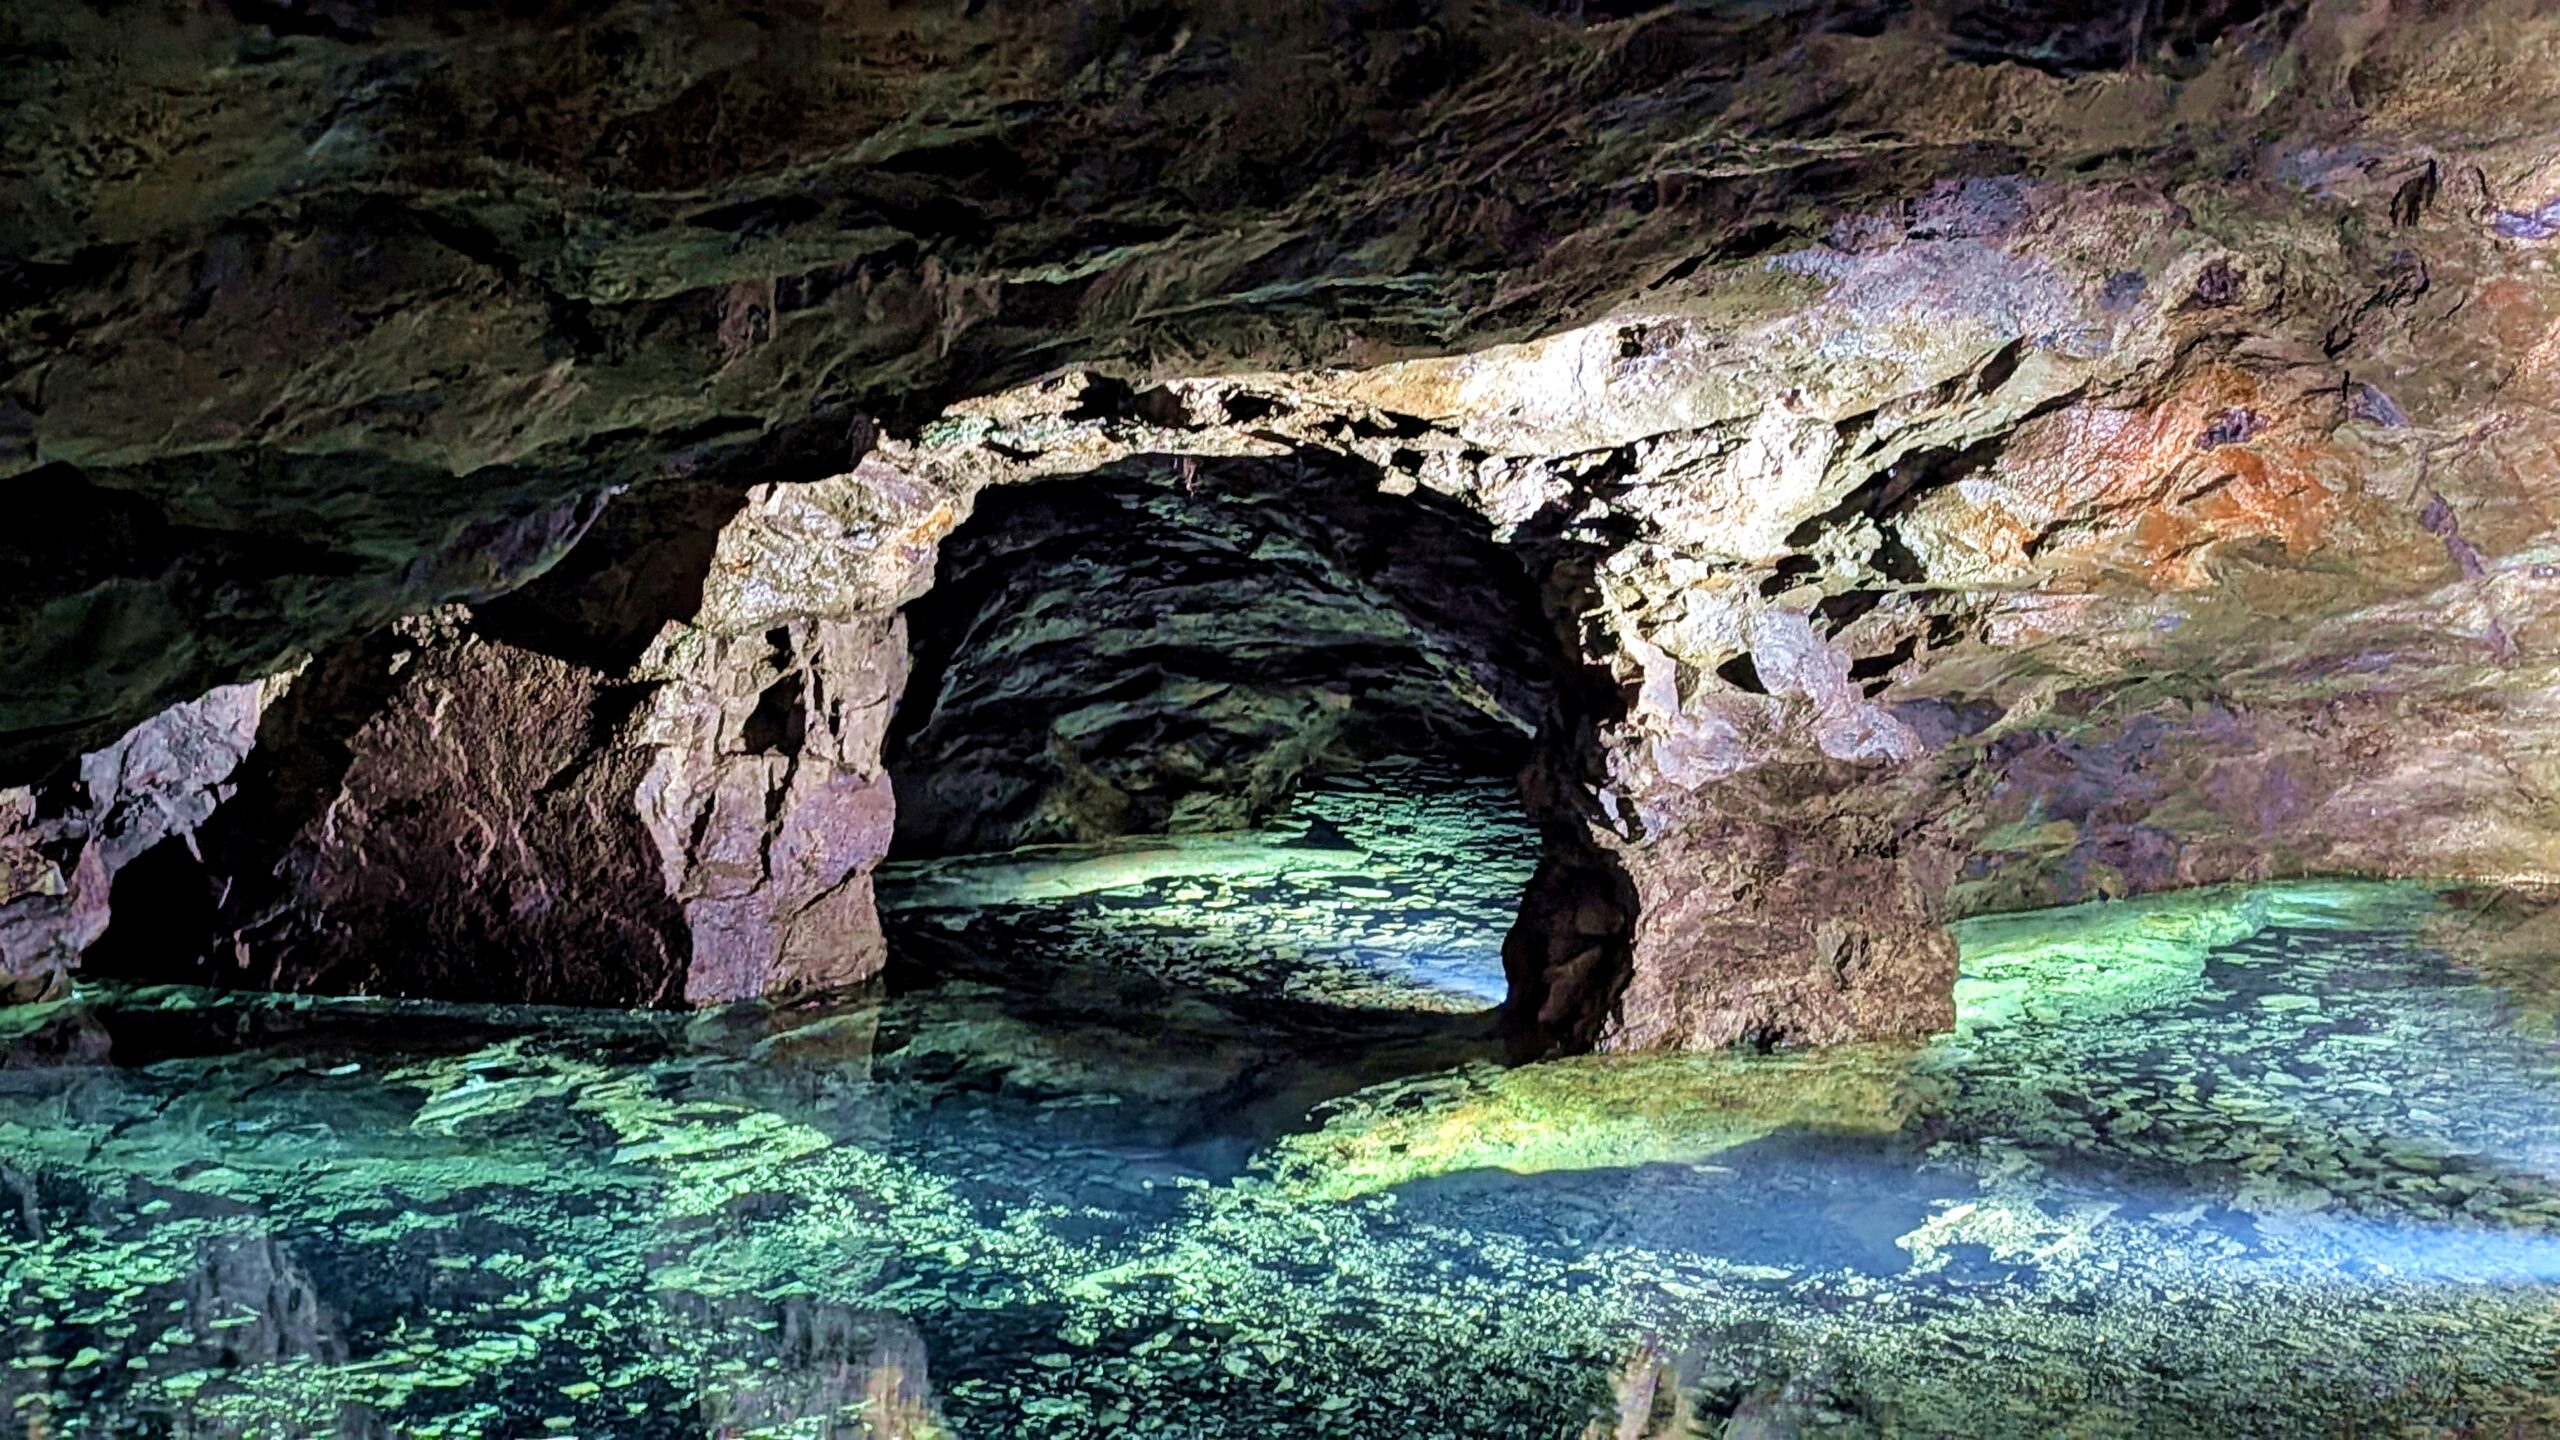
(2247, 1162)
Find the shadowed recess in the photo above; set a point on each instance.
(1170, 646)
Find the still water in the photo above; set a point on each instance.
(2271, 1161)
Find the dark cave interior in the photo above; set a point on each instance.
(1171, 646)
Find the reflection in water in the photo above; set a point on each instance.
(824, 1369)
(2239, 1162)
(1386, 889)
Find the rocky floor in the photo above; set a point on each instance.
(1389, 889)
(2258, 1162)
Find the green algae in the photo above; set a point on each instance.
(2201, 1213)
(2112, 956)
(1591, 1113)
(1387, 890)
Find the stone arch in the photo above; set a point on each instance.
(822, 603)
(1167, 645)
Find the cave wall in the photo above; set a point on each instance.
(1972, 456)
(63, 845)
(321, 312)
(1169, 645)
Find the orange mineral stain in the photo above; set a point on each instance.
(2151, 491)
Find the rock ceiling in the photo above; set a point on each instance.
(1975, 455)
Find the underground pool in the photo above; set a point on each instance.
(1279, 720)
(1211, 1137)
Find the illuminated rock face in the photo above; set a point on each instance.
(59, 860)
(2019, 454)
(428, 812)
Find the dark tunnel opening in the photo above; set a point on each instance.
(1254, 723)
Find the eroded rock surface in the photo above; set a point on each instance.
(1966, 460)
(430, 813)
(1171, 645)
(320, 314)
(62, 844)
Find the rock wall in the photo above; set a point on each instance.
(1170, 644)
(323, 313)
(62, 844)
(1969, 457)
(426, 813)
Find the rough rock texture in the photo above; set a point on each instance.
(325, 312)
(1170, 645)
(433, 813)
(767, 800)
(1971, 457)
(62, 844)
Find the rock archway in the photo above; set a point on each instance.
(1322, 694)
(1167, 638)
(1169, 645)
(1728, 857)
(1976, 457)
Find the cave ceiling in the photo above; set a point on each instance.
(322, 313)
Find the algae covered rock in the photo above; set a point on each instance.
(1591, 1113)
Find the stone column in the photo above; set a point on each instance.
(766, 798)
(1754, 868)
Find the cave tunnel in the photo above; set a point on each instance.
(790, 718)
(1253, 723)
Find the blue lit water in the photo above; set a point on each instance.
(2251, 1163)
(1388, 889)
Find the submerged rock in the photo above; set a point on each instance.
(2203, 1215)
(1590, 1113)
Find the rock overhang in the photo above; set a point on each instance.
(1925, 444)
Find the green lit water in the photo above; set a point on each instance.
(2248, 1162)
(1386, 890)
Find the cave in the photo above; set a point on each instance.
(1260, 696)
(1255, 719)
